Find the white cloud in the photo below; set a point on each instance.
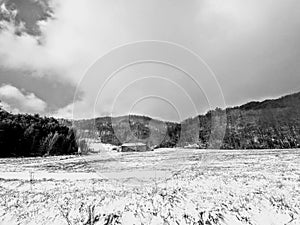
(77, 110)
(8, 108)
(238, 39)
(15, 101)
(81, 32)
(65, 112)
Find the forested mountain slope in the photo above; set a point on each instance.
(255, 125)
(267, 124)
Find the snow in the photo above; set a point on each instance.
(42, 175)
(216, 187)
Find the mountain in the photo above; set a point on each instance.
(283, 102)
(267, 124)
(131, 128)
(273, 123)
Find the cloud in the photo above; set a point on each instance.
(65, 112)
(81, 32)
(78, 109)
(25, 15)
(16, 101)
(247, 44)
(8, 108)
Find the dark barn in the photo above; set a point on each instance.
(134, 147)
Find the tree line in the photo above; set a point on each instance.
(33, 135)
(270, 124)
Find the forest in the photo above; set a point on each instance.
(268, 124)
(32, 135)
(271, 124)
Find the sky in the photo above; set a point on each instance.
(169, 59)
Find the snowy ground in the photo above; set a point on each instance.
(166, 186)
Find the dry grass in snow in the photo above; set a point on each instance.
(233, 188)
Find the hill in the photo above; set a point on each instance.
(32, 135)
(267, 124)
(273, 123)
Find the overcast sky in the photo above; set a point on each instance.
(207, 53)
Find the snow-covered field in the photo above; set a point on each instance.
(166, 186)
